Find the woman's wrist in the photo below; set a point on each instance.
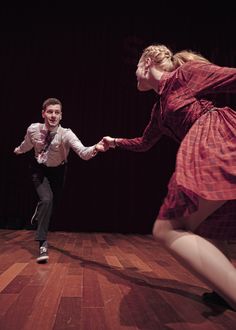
(114, 143)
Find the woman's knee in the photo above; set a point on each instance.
(163, 229)
(160, 230)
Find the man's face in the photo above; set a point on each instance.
(52, 115)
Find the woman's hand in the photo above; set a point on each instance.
(109, 141)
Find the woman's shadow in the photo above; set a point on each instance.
(146, 301)
(150, 301)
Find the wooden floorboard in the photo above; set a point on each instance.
(101, 281)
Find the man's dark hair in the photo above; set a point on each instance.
(51, 101)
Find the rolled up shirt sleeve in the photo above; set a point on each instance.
(26, 144)
(82, 151)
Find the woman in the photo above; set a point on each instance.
(199, 211)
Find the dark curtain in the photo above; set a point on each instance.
(88, 61)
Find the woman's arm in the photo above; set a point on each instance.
(151, 135)
(204, 78)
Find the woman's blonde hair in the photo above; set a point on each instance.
(168, 61)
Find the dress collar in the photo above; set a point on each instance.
(162, 82)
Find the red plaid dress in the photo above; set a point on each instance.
(206, 158)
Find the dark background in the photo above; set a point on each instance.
(88, 59)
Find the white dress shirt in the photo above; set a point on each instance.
(59, 147)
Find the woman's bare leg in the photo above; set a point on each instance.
(198, 254)
(223, 246)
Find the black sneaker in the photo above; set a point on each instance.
(43, 255)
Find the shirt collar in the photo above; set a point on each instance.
(44, 128)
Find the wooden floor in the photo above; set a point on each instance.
(100, 281)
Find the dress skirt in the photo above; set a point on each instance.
(206, 167)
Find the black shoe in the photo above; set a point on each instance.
(214, 298)
(43, 255)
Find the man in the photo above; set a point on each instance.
(51, 144)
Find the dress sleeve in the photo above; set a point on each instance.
(151, 135)
(204, 78)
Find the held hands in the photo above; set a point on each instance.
(106, 143)
(101, 146)
(110, 142)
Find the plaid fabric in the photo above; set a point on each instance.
(181, 202)
(206, 159)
